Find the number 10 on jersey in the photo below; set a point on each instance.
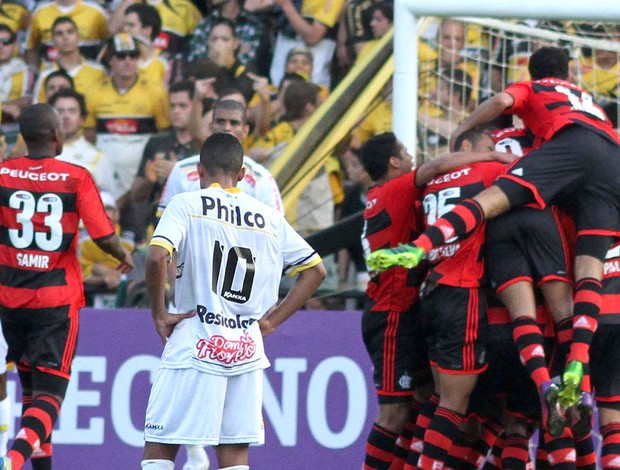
(239, 262)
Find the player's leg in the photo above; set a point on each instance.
(515, 454)
(38, 420)
(444, 428)
(159, 456)
(167, 422)
(459, 315)
(424, 388)
(588, 290)
(528, 338)
(49, 352)
(605, 368)
(5, 406)
(393, 345)
(427, 411)
(232, 456)
(242, 420)
(609, 422)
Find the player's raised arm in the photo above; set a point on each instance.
(449, 161)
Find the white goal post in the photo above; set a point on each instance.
(405, 98)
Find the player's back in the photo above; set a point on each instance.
(550, 104)
(42, 201)
(231, 243)
(391, 218)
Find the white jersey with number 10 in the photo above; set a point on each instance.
(231, 253)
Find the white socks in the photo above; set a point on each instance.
(5, 418)
(237, 467)
(157, 464)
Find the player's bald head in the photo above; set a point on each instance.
(39, 123)
(222, 153)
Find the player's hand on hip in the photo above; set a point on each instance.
(164, 324)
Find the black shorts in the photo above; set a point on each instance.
(41, 341)
(526, 244)
(398, 353)
(605, 366)
(453, 318)
(505, 377)
(577, 170)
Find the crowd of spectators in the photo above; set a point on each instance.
(136, 83)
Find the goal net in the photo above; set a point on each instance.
(462, 61)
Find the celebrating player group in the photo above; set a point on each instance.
(494, 305)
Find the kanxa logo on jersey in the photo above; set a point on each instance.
(219, 319)
(214, 207)
(220, 349)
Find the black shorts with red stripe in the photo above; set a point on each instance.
(397, 350)
(578, 171)
(526, 244)
(453, 318)
(605, 366)
(44, 339)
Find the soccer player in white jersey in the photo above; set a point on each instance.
(231, 117)
(230, 252)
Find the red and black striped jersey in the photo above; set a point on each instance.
(389, 219)
(459, 263)
(550, 104)
(41, 204)
(610, 306)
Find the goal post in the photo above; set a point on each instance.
(407, 12)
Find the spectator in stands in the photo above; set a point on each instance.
(250, 29)
(143, 22)
(15, 15)
(381, 21)
(161, 153)
(90, 18)
(443, 111)
(354, 30)
(223, 45)
(179, 18)
(451, 57)
(71, 107)
(66, 42)
(124, 111)
(299, 60)
(313, 25)
(599, 75)
(15, 78)
(98, 267)
(54, 82)
(377, 121)
(301, 99)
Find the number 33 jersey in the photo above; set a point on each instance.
(41, 204)
(231, 253)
